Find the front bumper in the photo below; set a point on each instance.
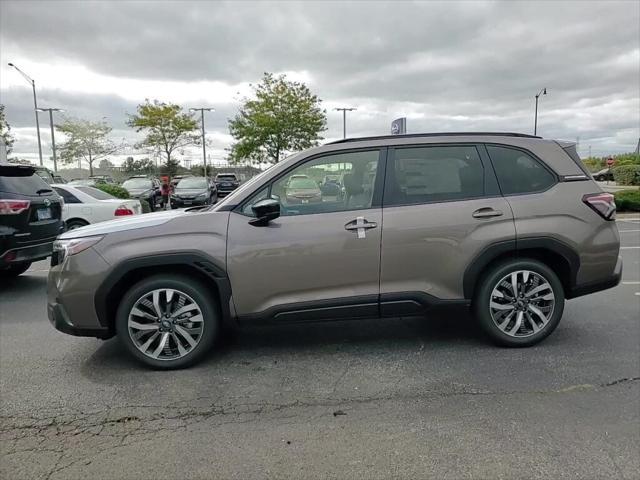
(598, 285)
(60, 320)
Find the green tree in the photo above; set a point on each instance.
(105, 164)
(85, 140)
(167, 129)
(283, 117)
(5, 131)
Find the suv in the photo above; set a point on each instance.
(30, 218)
(226, 183)
(509, 224)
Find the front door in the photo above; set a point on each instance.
(321, 257)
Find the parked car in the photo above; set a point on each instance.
(46, 174)
(84, 182)
(145, 188)
(59, 180)
(603, 175)
(469, 220)
(30, 218)
(226, 183)
(303, 190)
(192, 191)
(177, 178)
(103, 179)
(87, 205)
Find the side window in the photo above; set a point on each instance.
(67, 196)
(433, 174)
(518, 172)
(332, 183)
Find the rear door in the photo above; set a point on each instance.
(441, 208)
(321, 257)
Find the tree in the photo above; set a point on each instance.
(167, 129)
(86, 140)
(105, 164)
(283, 117)
(5, 131)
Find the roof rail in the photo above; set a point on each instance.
(445, 134)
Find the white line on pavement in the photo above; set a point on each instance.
(630, 248)
(638, 294)
(631, 283)
(627, 231)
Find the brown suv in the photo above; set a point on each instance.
(509, 224)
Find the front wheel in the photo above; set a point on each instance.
(167, 321)
(519, 302)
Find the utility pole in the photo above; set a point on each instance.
(204, 143)
(53, 138)
(344, 111)
(535, 125)
(35, 106)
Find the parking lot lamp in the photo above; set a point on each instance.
(344, 111)
(535, 124)
(204, 145)
(53, 137)
(35, 106)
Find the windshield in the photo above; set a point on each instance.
(137, 183)
(95, 193)
(192, 182)
(302, 183)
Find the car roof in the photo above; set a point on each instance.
(439, 134)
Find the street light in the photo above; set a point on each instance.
(53, 138)
(344, 111)
(535, 125)
(204, 146)
(35, 106)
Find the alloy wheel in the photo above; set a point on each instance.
(522, 303)
(165, 324)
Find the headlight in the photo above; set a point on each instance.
(65, 248)
(202, 195)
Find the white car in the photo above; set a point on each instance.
(85, 205)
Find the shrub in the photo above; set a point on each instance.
(627, 174)
(115, 190)
(628, 200)
(145, 206)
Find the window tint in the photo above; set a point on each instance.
(433, 174)
(21, 181)
(518, 172)
(332, 183)
(67, 196)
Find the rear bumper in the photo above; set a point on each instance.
(30, 253)
(599, 285)
(60, 320)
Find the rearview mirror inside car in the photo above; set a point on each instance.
(265, 211)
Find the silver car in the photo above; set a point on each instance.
(509, 224)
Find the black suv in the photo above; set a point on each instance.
(30, 218)
(226, 183)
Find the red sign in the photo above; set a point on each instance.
(610, 162)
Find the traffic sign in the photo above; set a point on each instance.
(610, 162)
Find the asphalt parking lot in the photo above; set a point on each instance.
(402, 398)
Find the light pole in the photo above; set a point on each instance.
(344, 111)
(53, 138)
(535, 125)
(204, 145)
(35, 106)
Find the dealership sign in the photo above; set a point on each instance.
(399, 126)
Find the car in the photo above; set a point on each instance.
(85, 182)
(226, 183)
(177, 178)
(145, 188)
(59, 180)
(302, 190)
(30, 218)
(603, 175)
(103, 179)
(193, 191)
(509, 225)
(46, 174)
(86, 205)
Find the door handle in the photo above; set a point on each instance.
(360, 225)
(487, 212)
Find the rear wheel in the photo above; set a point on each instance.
(14, 269)
(76, 223)
(519, 302)
(167, 321)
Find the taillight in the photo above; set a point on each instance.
(13, 207)
(122, 210)
(601, 203)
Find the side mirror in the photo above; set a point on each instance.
(265, 211)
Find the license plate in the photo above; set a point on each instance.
(226, 184)
(304, 200)
(44, 213)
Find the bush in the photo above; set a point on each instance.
(627, 200)
(627, 174)
(115, 190)
(146, 208)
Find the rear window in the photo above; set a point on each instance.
(226, 178)
(519, 172)
(21, 181)
(95, 193)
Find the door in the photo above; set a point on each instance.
(442, 207)
(321, 257)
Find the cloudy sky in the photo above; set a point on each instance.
(446, 66)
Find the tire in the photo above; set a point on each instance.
(493, 302)
(77, 223)
(202, 328)
(14, 269)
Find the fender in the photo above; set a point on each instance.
(190, 258)
(515, 248)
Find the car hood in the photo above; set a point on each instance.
(137, 191)
(119, 225)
